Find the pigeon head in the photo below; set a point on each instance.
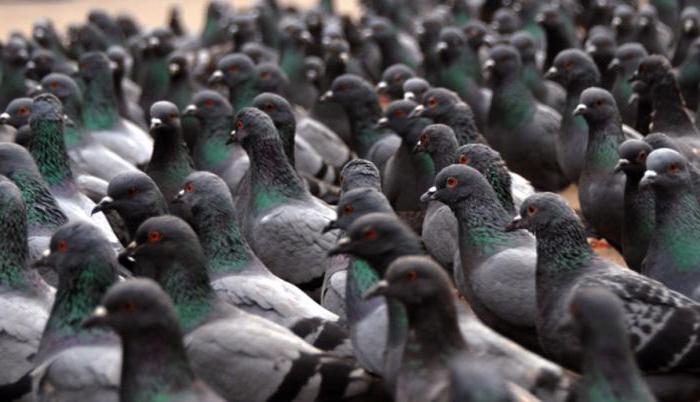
(541, 211)
(15, 159)
(252, 125)
(382, 29)
(336, 51)
(41, 63)
(393, 78)
(207, 105)
(82, 256)
(457, 183)
(666, 170)
(451, 43)
(314, 69)
(164, 116)
(356, 203)
(525, 43)
(233, 69)
(597, 106)
(277, 107)
(436, 138)
(624, 18)
(61, 86)
(413, 281)
(202, 192)
(17, 112)
(295, 33)
(13, 227)
(359, 173)
(601, 45)
(652, 70)
(379, 239)
(178, 66)
(504, 62)
(135, 306)
(160, 41)
(127, 25)
(477, 34)
(46, 107)
(415, 88)
(348, 90)
(690, 21)
(120, 59)
(43, 32)
(648, 18)
(633, 157)
(94, 66)
(256, 52)
(627, 58)
(244, 27)
(573, 69)
(396, 116)
(15, 52)
(437, 102)
(271, 78)
(479, 156)
(505, 21)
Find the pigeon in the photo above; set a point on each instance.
(241, 356)
(505, 22)
(689, 30)
(414, 89)
(48, 149)
(466, 373)
(281, 220)
(393, 79)
(559, 32)
(238, 276)
(14, 60)
(171, 161)
(359, 173)
(639, 210)
(237, 72)
(523, 131)
(601, 188)
(25, 299)
(567, 263)
(100, 112)
(625, 63)
(624, 24)
(135, 197)
(125, 89)
(394, 48)
(294, 42)
(72, 362)
(41, 63)
(489, 255)
(154, 362)
(608, 368)
(444, 107)
(688, 77)
(575, 71)
(210, 152)
(546, 91)
(671, 258)
(653, 34)
(151, 72)
(601, 46)
(17, 116)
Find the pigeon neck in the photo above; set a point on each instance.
(444, 156)
(154, 364)
(639, 210)
(211, 148)
(482, 221)
(433, 331)
(461, 120)
(273, 179)
(361, 277)
(499, 179)
(187, 283)
(292, 62)
(604, 139)
(241, 96)
(562, 248)
(13, 80)
(460, 72)
(73, 130)
(224, 246)
(156, 76)
(669, 113)
(48, 148)
(287, 132)
(42, 210)
(14, 251)
(363, 117)
(168, 146)
(512, 104)
(677, 227)
(100, 107)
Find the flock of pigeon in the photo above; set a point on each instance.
(296, 205)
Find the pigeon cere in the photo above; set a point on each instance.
(361, 201)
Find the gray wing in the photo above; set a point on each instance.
(440, 234)
(520, 188)
(324, 140)
(333, 291)
(289, 241)
(21, 326)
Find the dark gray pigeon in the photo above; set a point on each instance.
(672, 257)
(445, 107)
(359, 173)
(608, 368)
(414, 89)
(154, 362)
(393, 79)
(656, 318)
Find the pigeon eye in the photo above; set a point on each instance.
(265, 75)
(432, 102)
(154, 236)
(399, 78)
(233, 69)
(531, 210)
(399, 113)
(424, 138)
(411, 276)
(673, 168)
(62, 246)
(23, 111)
(370, 234)
(208, 103)
(568, 65)
(341, 179)
(239, 124)
(642, 157)
(464, 159)
(131, 191)
(269, 107)
(451, 182)
(189, 187)
(173, 115)
(129, 306)
(54, 85)
(341, 88)
(348, 209)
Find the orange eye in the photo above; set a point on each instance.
(341, 179)
(189, 187)
(129, 306)
(82, 66)
(341, 87)
(370, 234)
(173, 116)
(269, 107)
(233, 69)
(599, 103)
(568, 65)
(432, 102)
(424, 139)
(23, 111)
(673, 168)
(265, 75)
(239, 124)
(208, 103)
(451, 182)
(62, 246)
(54, 85)
(411, 276)
(399, 113)
(531, 210)
(642, 157)
(464, 159)
(348, 209)
(131, 191)
(154, 236)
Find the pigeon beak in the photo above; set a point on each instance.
(153, 41)
(643, 22)
(382, 87)
(105, 204)
(688, 25)
(332, 225)
(5, 118)
(552, 73)
(441, 46)
(327, 96)
(417, 112)
(634, 77)
(306, 37)
(614, 64)
(515, 224)
(98, 318)
(311, 75)
(648, 179)
(489, 40)
(31, 65)
(591, 48)
(382, 123)
(156, 122)
(581, 109)
(379, 289)
(540, 18)
(216, 77)
(177, 199)
(43, 261)
(616, 22)
(344, 57)
(233, 138)
(429, 195)
(126, 257)
(173, 68)
(410, 96)
(418, 147)
(489, 65)
(343, 246)
(190, 110)
(113, 65)
(633, 98)
(621, 164)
